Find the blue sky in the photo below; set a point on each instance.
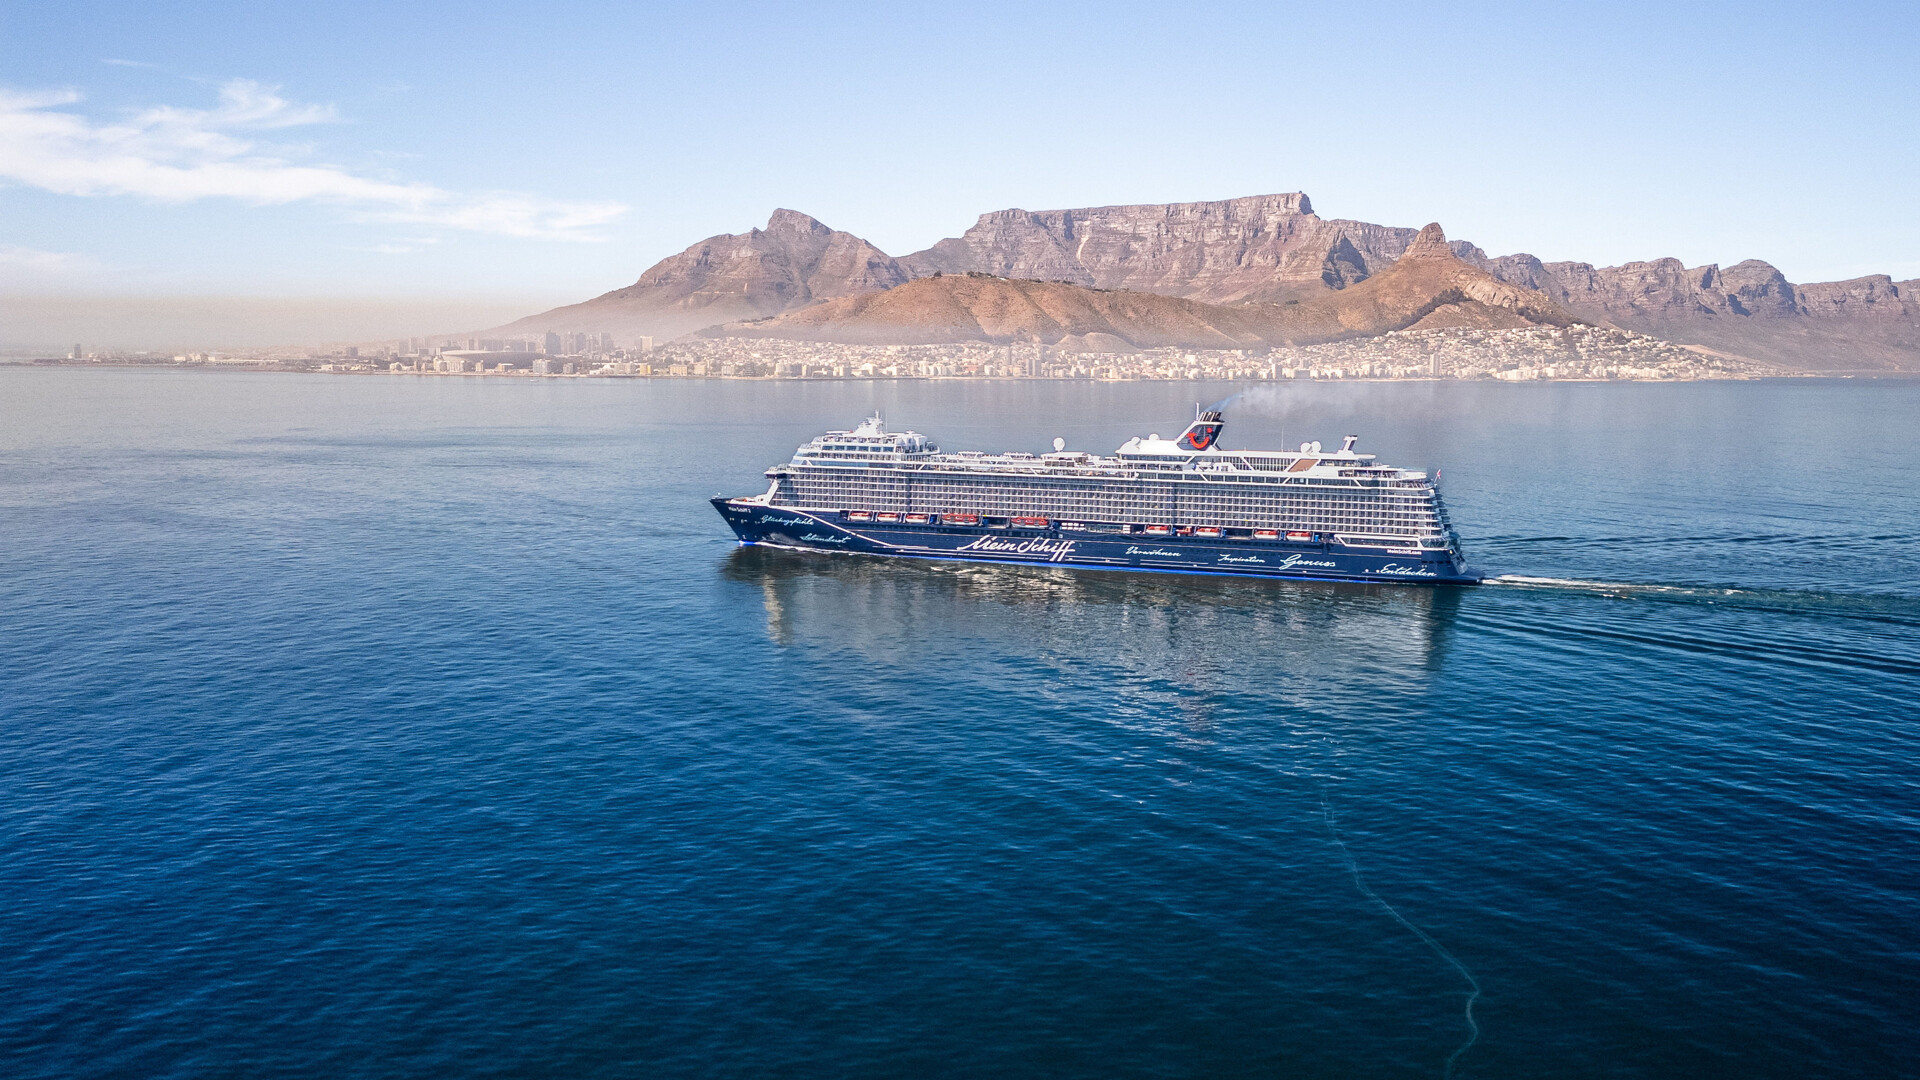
(538, 154)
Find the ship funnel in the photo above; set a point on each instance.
(1203, 432)
(1347, 447)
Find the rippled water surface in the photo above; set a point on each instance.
(382, 726)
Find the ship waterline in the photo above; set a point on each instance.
(1181, 505)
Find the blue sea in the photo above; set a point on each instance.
(382, 726)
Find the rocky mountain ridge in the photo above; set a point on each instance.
(1428, 287)
(793, 262)
(1266, 249)
(1749, 308)
(1274, 247)
(1259, 249)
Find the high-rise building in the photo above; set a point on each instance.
(646, 344)
(553, 344)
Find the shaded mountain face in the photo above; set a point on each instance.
(977, 307)
(792, 262)
(1427, 287)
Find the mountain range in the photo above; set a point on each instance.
(1263, 270)
(1428, 286)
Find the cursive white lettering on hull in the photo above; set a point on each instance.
(1054, 550)
(1292, 561)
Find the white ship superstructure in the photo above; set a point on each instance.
(1325, 502)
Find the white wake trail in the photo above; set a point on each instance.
(1576, 584)
(1353, 867)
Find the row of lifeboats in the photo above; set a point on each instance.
(912, 519)
(1035, 522)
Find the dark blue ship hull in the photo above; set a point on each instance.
(1326, 560)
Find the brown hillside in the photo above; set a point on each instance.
(976, 307)
(1427, 287)
(792, 262)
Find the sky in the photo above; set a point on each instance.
(511, 157)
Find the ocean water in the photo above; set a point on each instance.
(357, 727)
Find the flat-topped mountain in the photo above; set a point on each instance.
(1274, 247)
(793, 262)
(1260, 250)
(1427, 288)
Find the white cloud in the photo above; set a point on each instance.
(243, 104)
(401, 247)
(22, 258)
(173, 154)
(29, 269)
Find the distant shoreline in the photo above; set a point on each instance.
(265, 368)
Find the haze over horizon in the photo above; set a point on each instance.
(481, 157)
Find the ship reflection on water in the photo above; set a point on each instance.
(1200, 633)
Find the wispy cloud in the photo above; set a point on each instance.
(30, 269)
(405, 246)
(117, 62)
(174, 154)
(51, 262)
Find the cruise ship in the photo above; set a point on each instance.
(1169, 505)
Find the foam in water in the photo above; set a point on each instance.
(1600, 586)
(1473, 984)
